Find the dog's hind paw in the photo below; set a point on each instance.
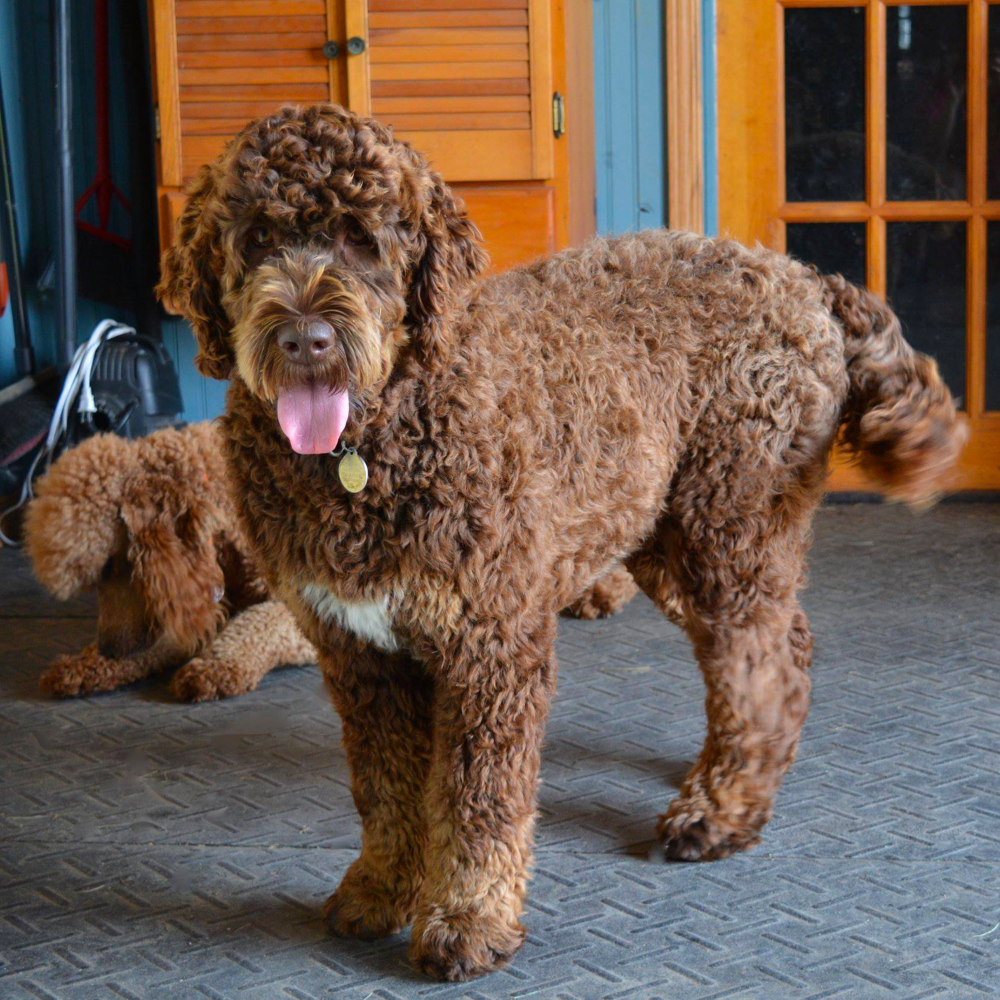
(703, 836)
(458, 948)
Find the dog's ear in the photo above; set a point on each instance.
(71, 527)
(177, 569)
(188, 282)
(449, 255)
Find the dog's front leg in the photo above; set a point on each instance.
(251, 644)
(88, 672)
(491, 700)
(385, 706)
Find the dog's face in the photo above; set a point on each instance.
(310, 256)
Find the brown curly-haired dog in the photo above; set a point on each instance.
(662, 399)
(149, 524)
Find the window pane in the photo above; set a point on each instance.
(993, 105)
(993, 315)
(825, 103)
(834, 247)
(926, 262)
(925, 102)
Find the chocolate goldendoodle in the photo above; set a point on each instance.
(661, 399)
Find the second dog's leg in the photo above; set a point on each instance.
(493, 692)
(88, 672)
(385, 704)
(252, 643)
(606, 596)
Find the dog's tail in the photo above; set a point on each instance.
(899, 421)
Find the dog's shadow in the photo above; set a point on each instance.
(194, 925)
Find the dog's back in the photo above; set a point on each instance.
(677, 345)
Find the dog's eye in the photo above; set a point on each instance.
(356, 236)
(261, 236)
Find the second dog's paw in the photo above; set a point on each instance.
(461, 947)
(697, 834)
(605, 597)
(208, 680)
(366, 908)
(85, 673)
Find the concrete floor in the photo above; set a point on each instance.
(150, 849)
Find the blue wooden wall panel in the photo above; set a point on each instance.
(709, 121)
(630, 115)
(630, 151)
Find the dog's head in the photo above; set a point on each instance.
(311, 255)
(104, 519)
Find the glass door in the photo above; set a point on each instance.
(865, 138)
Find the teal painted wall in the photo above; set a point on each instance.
(630, 115)
(26, 71)
(710, 120)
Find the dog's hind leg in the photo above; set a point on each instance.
(737, 594)
(385, 704)
(493, 687)
(757, 699)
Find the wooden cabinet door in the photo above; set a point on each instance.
(856, 136)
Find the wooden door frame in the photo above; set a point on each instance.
(685, 116)
(752, 206)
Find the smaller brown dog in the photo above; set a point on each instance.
(149, 523)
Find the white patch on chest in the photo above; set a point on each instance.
(368, 620)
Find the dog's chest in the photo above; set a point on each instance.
(368, 620)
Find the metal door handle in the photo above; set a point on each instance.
(331, 49)
(355, 45)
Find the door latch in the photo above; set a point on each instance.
(558, 115)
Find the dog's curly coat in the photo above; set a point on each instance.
(149, 524)
(661, 398)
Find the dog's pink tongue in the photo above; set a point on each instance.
(312, 417)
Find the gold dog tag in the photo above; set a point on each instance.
(352, 471)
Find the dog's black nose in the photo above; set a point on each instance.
(307, 344)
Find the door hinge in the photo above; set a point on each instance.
(558, 115)
(156, 121)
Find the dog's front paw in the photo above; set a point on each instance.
(208, 680)
(696, 830)
(366, 906)
(460, 947)
(85, 673)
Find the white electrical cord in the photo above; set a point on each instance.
(75, 389)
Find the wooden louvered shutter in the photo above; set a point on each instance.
(467, 82)
(234, 60)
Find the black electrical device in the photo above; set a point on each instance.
(135, 390)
